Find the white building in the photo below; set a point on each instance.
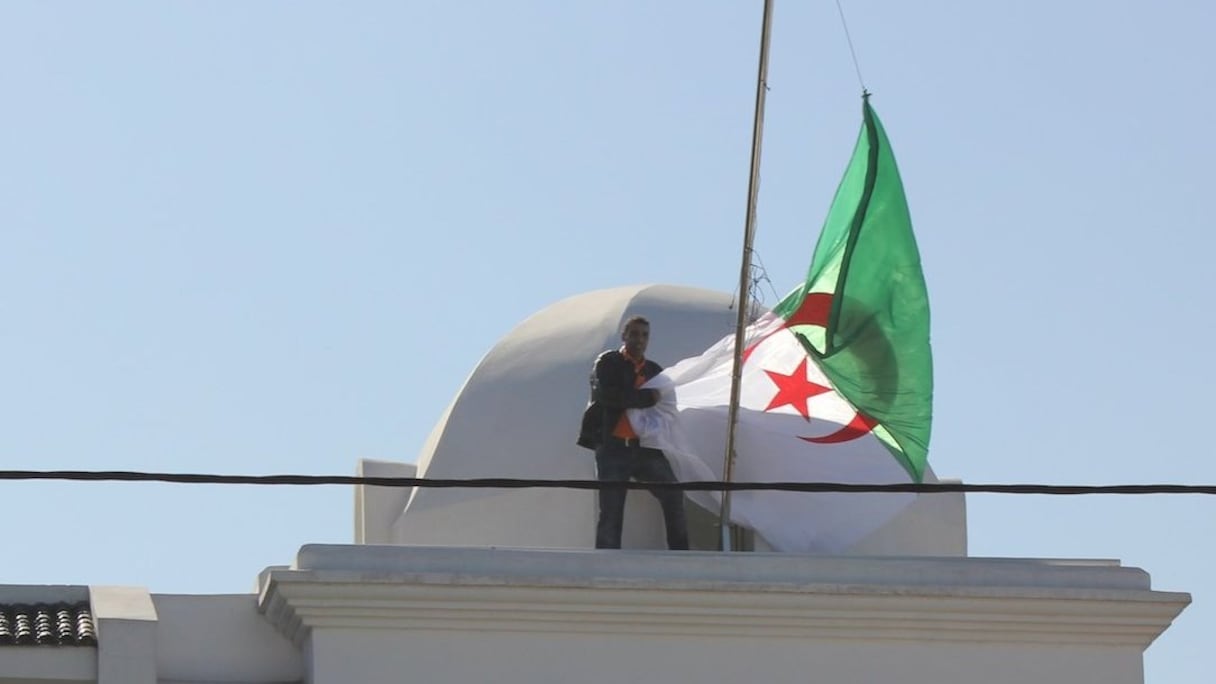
(448, 585)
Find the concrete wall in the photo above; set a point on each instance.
(220, 638)
(416, 614)
(352, 655)
(933, 525)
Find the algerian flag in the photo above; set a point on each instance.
(837, 379)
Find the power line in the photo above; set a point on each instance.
(522, 483)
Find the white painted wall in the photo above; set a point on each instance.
(47, 665)
(358, 613)
(220, 638)
(407, 614)
(125, 619)
(347, 655)
(377, 508)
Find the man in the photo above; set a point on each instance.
(615, 386)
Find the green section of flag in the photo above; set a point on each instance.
(875, 348)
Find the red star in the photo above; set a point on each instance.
(794, 389)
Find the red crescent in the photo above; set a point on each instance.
(859, 427)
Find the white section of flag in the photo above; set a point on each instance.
(689, 425)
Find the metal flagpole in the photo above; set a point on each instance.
(745, 273)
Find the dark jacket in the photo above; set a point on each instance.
(612, 392)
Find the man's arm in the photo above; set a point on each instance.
(609, 390)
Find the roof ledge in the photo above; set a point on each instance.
(1042, 601)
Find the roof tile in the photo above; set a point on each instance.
(47, 624)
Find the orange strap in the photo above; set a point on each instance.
(624, 429)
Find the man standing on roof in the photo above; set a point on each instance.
(615, 386)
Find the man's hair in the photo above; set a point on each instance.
(635, 319)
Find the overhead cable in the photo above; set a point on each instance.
(524, 483)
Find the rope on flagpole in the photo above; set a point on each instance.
(849, 38)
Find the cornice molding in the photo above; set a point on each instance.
(741, 595)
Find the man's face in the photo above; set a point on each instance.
(636, 336)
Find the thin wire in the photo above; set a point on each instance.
(762, 276)
(519, 483)
(852, 51)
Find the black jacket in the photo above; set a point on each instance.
(612, 392)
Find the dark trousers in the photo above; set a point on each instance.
(616, 461)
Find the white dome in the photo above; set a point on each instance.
(518, 414)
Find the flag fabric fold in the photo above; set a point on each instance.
(836, 380)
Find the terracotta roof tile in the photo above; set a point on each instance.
(47, 624)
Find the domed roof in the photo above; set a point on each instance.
(518, 415)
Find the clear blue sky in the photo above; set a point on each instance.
(275, 237)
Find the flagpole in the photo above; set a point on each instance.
(745, 273)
